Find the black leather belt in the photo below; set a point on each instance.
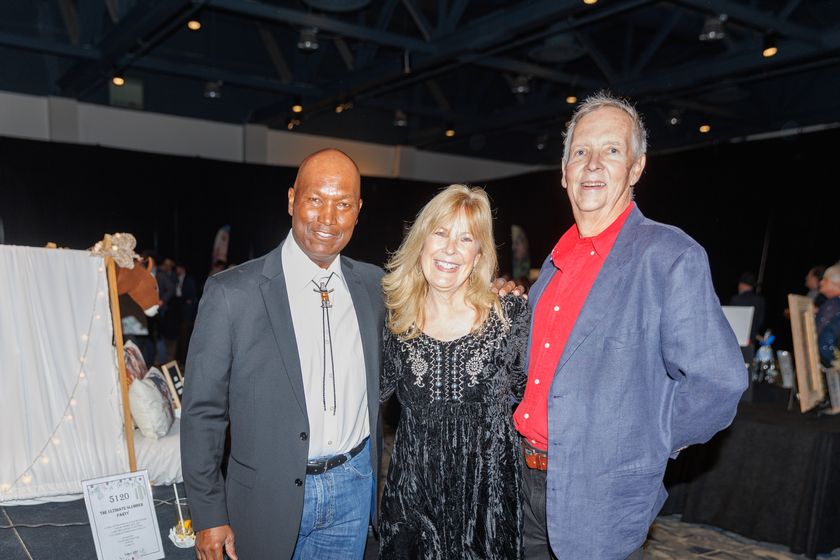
(320, 467)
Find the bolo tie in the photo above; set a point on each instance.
(326, 305)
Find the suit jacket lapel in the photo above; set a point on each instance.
(600, 299)
(276, 301)
(368, 329)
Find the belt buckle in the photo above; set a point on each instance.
(534, 458)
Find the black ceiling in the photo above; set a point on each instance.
(443, 63)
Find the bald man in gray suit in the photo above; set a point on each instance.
(286, 351)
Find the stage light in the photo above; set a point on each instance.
(213, 89)
(400, 119)
(308, 39)
(118, 80)
(713, 28)
(571, 100)
(704, 128)
(297, 107)
(520, 85)
(449, 132)
(770, 48)
(590, 2)
(674, 117)
(194, 24)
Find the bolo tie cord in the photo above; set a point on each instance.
(326, 335)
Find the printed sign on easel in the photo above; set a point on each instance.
(122, 517)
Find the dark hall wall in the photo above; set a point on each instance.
(725, 196)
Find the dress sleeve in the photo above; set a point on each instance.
(391, 364)
(516, 343)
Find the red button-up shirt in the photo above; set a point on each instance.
(578, 261)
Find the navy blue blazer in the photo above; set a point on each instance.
(651, 366)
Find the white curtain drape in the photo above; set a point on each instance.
(60, 415)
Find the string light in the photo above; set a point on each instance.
(26, 476)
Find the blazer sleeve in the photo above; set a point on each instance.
(204, 416)
(700, 353)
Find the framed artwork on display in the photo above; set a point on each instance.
(175, 381)
(809, 377)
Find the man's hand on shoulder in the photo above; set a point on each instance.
(504, 287)
(210, 542)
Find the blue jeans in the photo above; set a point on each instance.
(336, 511)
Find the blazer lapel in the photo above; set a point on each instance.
(276, 301)
(609, 279)
(368, 328)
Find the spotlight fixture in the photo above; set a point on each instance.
(571, 100)
(297, 106)
(400, 119)
(770, 48)
(590, 2)
(713, 28)
(704, 128)
(542, 141)
(520, 85)
(308, 39)
(292, 122)
(449, 132)
(674, 117)
(194, 24)
(118, 80)
(343, 106)
(213, 89)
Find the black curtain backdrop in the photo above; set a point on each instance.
(725, 196)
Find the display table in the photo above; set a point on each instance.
(772, 476)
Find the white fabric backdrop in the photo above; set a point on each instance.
(60, 415)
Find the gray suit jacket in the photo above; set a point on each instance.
(243, 370)
(650, 367)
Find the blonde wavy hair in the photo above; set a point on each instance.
(405, 286)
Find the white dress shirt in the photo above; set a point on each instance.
(344, 423)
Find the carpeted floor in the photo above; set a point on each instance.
(669, 538)
(63, 532)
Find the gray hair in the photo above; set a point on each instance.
(833, 273)
(598, 101)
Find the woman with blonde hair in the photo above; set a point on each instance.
(454, 355)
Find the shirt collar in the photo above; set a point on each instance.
(601, 243)
(301, 271)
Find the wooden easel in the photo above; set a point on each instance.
(116, 318)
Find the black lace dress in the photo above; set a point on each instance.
(453, 486)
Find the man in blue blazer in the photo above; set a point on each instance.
(631, 358)
(286, 352)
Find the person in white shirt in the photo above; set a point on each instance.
(286, 352)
